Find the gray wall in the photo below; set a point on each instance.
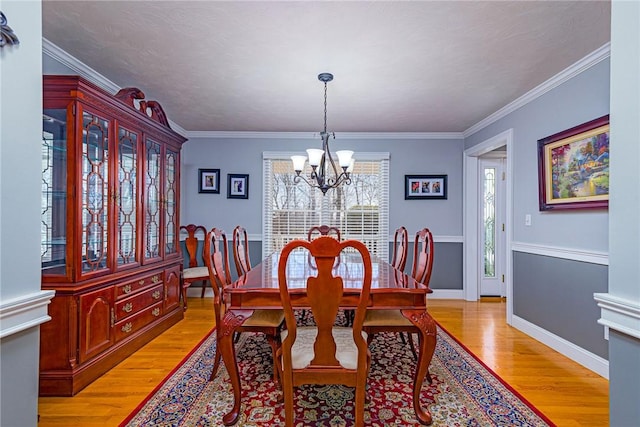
(557, 295)
(20, 171)
(428, 156)
(583, 98)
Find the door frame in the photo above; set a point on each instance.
(471, 164)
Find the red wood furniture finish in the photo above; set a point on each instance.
(312, 354)
(323, 230)
(269, 322)
(393, 320)
(111, 191)
(196, 271)
(400, 248)
(240, 243)
(423, 257)
(390, 289)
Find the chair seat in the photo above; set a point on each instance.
(302, 352)
(385, 318)
(265, 318)
(195, 272)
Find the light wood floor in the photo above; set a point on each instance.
(564, 391)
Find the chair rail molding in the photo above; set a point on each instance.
(593, 257)
(618, 313)
(24, 312)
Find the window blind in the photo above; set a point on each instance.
(359, 210)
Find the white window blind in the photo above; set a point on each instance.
(359, 210)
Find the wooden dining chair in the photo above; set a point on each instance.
(240, 244)
(323, 230)
(268, 322)
(392, 320)
(196, 271)
(400, 248)
(325, 353)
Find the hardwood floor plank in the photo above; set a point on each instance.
(569, 394)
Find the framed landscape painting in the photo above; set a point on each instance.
(423, 187)
(573, 167)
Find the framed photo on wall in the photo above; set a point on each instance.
(573, 167)
(209, 181)
(237, 186)
(423, 187)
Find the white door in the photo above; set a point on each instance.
(492, 240)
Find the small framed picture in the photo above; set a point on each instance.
(209, 181)
(237, 186)
(421, 187)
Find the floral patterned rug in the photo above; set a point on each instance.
(464, 391)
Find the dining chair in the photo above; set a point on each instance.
(268, 322)
(324, 353)
(196, 271)
(240, 244)
(323, 230)
(392, 320)
(400, 248)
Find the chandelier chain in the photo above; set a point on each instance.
(325, 107)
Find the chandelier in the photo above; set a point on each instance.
(324, 172)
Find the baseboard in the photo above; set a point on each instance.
(579, 355)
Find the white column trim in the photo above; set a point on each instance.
(24, 312)
(620, 314)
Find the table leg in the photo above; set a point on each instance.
(229, 324)
(426, 327)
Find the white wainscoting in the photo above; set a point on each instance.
(24, 312)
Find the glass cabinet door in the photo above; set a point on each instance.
(152, 212)
(171, 207)
(126, 198)
(94, 192)
(53, 225)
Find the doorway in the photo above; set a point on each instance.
(491, 226)
(473, 267)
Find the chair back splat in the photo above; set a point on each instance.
(240, 243)
(423, 257)
(323, 230)
(325, 353)
(400, 248)
(196, 271)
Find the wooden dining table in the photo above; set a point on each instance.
(390, 289)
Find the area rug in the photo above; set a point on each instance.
(464, 391)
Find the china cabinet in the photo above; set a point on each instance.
(109, 240)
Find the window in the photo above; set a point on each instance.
(359, 210)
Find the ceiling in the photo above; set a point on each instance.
(410, 66)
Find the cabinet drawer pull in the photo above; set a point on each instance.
(127, 307)
(155, 279)
(156, 312)
(126, 289)
(141, 282)
(156, 295)
(127, 327)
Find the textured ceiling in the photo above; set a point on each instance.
(421, 66)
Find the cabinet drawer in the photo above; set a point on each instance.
(127, 288)
(131, 324)
(128, 306)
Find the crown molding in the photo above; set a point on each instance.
(83, 70)
(573, 70)
(314, 135)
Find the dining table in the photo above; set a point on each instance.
(390, 289)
